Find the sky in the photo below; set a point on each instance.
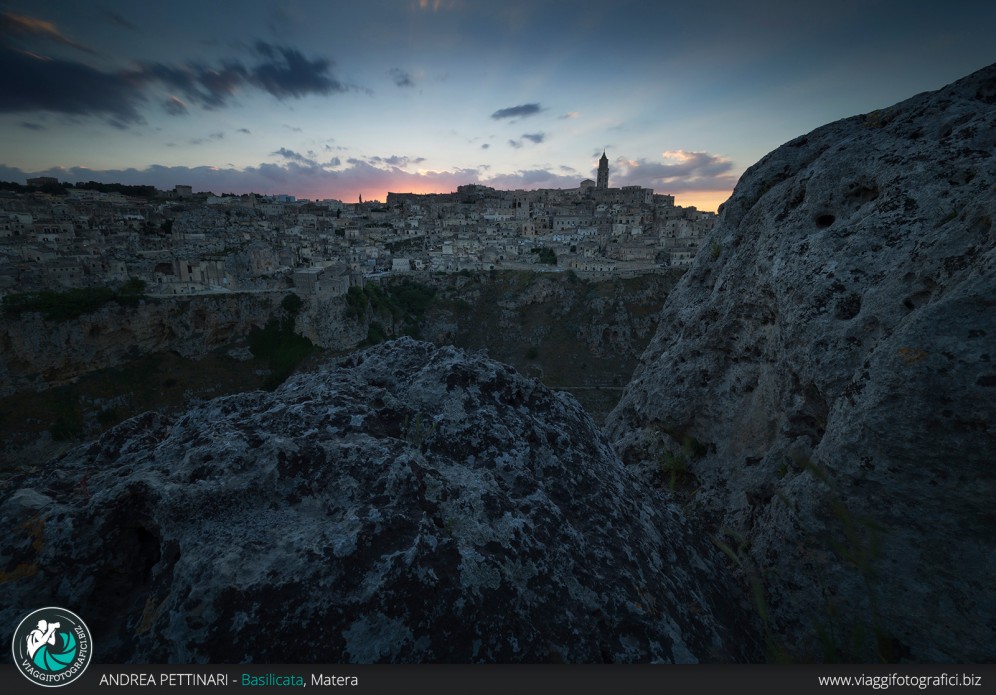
(339, 100)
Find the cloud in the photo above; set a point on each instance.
(305, 179)
(175, 106)
(32, 126)
(244, 130)
(397, 161)
(485, 146)
(521, 111)
(569, 115)
(22, 26)
(532, 178)
(32, 83)
(208, 86)
(287, 73)
(679, 171)
(38, 83)
(535, 138)
(294, 156)
(401, 77)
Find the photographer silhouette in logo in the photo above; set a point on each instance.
(43, 634)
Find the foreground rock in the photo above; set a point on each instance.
(826, 373)
(412, 504)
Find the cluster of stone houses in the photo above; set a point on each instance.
(179, 242)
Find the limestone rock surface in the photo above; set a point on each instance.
(826, 375)
(408, 503)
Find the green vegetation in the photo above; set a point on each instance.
(855, 541)
(375, 333)
(131, 292)
(279, 345)
(292, 304)
(736, 547)
(675, 466)
(82, 409)
(546, 255)
(715, 250)
(68, 424)
(356, 303)
(406, 302)
(71, 304)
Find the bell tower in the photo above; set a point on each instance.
(603, 172)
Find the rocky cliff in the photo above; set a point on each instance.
(38, 353)
(408, 503)
(824, 381)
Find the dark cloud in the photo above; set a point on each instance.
(520, 111)
(217, 136)
(485, 146)
(401, 78)
(293, 129)
(16, 25)
(294, 156)
(287, 73)
(210, 87)
(35, 84)
(32, 126)
(244, 130)
(536, 138)
(515, 143)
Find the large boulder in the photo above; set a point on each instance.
(410, 503)
(824, 379)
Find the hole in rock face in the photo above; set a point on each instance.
(849, 307)
(824, 220)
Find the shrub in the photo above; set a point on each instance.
(281, 348)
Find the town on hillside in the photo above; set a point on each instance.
(178, 242)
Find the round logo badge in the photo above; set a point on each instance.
(52, 647)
